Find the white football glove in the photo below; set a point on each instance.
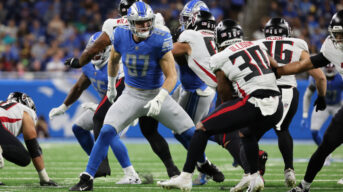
(155, 104)
(111, 89)
(89, 105)
(58, 111)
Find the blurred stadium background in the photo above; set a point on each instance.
(36, 36)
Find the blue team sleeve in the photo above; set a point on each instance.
(167, 44)
(116, 39)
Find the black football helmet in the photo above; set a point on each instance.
(277, 27)
(201, 20)
(22, 98)
(227, 33)
(124, 5)
(336, 29)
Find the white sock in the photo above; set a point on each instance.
(43, 175)
(130, 171)
(305, 184)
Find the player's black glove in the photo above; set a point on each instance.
(320, 103)
(48, 183)
(72, 62)
(176, 33)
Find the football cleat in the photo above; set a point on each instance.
(129, 179)
(201, 179)
(262, 160)
(173, 171)
(48, 183)
(2, 161)
(243, 184)
(256, 183)
(183, 182)
(1, 183)
(340, 181)
(85, 183)
(290, 180)
(299, 188)
(211, 170)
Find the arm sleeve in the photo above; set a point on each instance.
(319, 60)
(108, 27)
(306, 101)
(167, 44)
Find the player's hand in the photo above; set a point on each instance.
(89, 105)
(48, 183)
(111, 94)
(72, 62)
(304, 123)
(320, 103)
(57, 111)
(155, 104)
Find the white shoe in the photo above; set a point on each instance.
(183, 182)
(243, 184)
(129, 179)
(256, 183)
(2, 161)
(290, 180)
(340, 181)
(328, 160)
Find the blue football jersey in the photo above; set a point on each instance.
(141, 60)
(190, 81)
(97, 77)
(333, 91)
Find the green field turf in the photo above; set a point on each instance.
(64, 162)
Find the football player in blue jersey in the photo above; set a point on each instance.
(147, 125)
(333, 99)
(146, 55)
(95, 73)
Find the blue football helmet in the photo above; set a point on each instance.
(101, 58)
(141, 12)
(190, 8)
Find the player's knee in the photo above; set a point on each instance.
(33, 147)
(76, 129)
(108, 130)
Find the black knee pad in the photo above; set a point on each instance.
(33, 147)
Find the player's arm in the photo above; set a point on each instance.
(35, 151)
(100, 44)
(169, 71)
(73, 95)
(181, 49)
(112, 69)
(315, 61)
(307, 99)
(224, 86)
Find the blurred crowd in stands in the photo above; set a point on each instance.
(38, 35)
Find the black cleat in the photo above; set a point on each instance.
(211, 170)
(1, 183)
(173, 171)
(104, 169)
(85, 183)
(262, 160)
(48, 183)
(299, 188)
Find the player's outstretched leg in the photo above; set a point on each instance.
(158, 144)
(84, 137)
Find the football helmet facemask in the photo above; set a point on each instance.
(330, 70)
(228, 32)
(141, 19)
(201, 20)
(190, 8)
(22, 98)
(277, 27)
(101, 58)
(336, 29)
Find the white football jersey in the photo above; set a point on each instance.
(246, 64)
(11, 116)
(285, 50)
(333, 54)
(203, 47)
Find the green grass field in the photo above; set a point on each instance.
(65, 161)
